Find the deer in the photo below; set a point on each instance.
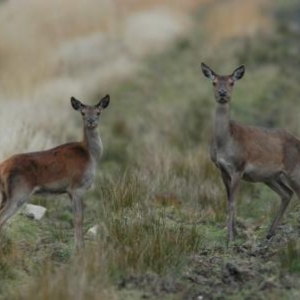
(67, 169)
(255, 154)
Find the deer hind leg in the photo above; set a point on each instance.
(12, 201)
(3, 201)
(231, 183)
(11, 208)
(285, 192)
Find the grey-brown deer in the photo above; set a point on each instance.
(69, 168)
(271, 156)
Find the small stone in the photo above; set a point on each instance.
(93, 231)
(35, 212)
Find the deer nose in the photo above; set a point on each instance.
(222, 93)
(90, 121)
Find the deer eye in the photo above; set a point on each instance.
(214, 83)
(83, 113)
(231, 83)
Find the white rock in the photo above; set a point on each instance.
(93, 231)
(34, 211)
(100, 230)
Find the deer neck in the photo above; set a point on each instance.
(93, 143)
(221, 129)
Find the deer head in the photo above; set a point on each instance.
(90, 114)
(223, 84)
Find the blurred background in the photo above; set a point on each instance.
(50, 51)
(156, 184)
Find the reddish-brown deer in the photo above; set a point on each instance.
(271, 156)
(69, 168)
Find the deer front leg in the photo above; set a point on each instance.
(227, 182)
(76, 198)
(231, 184)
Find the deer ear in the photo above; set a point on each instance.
(104, 102)
(208, 72)
(238, 73)
(76, 104)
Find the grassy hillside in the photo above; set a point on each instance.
(158, 200)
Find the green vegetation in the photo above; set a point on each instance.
(158, 200)
(290, 257)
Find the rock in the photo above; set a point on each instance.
(99, 230)
(93, 231)
(34, 211)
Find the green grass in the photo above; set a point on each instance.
(290, 257)
(139, 234)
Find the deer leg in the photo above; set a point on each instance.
(11, 207)
(3, 201)
(231, 184)
(286, 194)
(295, 185)
(15, 192)
(76, 197)
(227, 182)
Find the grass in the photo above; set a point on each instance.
(139, 232)
(290, 257)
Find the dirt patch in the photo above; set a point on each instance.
(240, 272)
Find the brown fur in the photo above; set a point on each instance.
(46, 167)
(69, 168)
(271, 156)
